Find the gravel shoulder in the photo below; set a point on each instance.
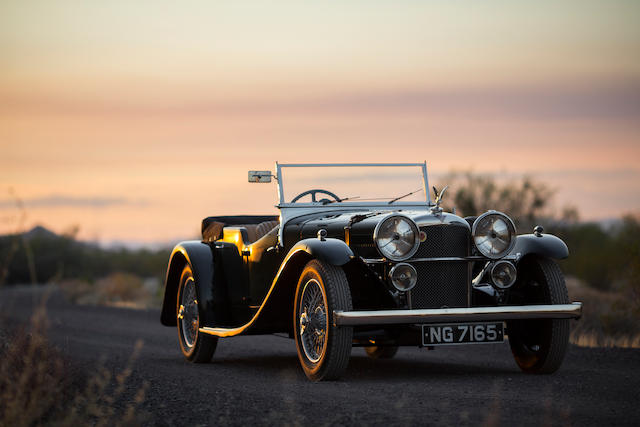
(258, 380)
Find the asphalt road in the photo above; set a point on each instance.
(257, 380)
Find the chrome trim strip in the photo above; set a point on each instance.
(425, 182)
(318, 207)
(440, 259)
(316, 165)
(229, 332)
(514, 312)
(280, 188)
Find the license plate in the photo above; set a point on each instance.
(467, 333)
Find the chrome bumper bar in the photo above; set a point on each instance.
(512, 312)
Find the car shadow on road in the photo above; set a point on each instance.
(361, 368)
(399, 369)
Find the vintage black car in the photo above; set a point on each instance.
(338, 270)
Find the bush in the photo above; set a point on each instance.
(38, 385)
(119, 289)
(592, 254)
(524, 199)
(606, 259)
(607, 319)
(50, 258)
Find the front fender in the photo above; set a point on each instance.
(277, 310)
(200, 257)
(545, 245)
(332, 251)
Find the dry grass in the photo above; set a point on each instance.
(39, 386)
(117, 289)
(609, 319)
(593, 340)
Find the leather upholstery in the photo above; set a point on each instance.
(256, 231)
(213, 231)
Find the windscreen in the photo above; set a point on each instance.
(330, 184)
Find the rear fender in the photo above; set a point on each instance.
(200, 257)
(544, 245)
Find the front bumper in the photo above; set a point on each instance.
(473, 314)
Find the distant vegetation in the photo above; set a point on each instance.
(40, 256)
(605, 258)
(524, 200)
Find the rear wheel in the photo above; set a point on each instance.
(376, 352)
(196, 347)
(539, 346)
(323, 348)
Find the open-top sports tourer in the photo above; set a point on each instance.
(360, 255)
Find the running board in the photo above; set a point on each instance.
(474, 314)
(224, 332)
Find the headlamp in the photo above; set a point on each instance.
(494, 234)
(396, 237)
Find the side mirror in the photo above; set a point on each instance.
(259, 176)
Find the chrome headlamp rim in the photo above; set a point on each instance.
(403, 265)
(416, 237)
(510, 224)
(513, 278)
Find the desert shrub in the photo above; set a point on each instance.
(118, 288)
(606, 318)
(32, 379)
(38, 385)
(628, 240)
(524, 199)
(605, 258)
(593, 256)
(121, 287)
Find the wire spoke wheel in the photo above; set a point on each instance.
(323, 348)
(188, 313)
(196, 347)
(313, 320)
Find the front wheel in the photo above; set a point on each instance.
(196, 347)
(539, 346)
(323, 348)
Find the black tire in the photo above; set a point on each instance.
(386, 352)
(196, 347)
(539, 346)
(323, 348)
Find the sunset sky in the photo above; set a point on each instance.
(135, 119)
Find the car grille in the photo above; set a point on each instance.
(446, 283)
(441, 284)
(444, 241)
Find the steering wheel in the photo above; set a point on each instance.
(313, 195)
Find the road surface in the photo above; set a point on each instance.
(257, 380)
